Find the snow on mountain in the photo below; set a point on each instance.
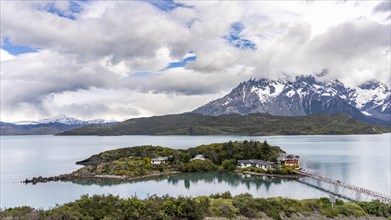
(47, 126)
(63, 119)
(374, 98)
(305, 95)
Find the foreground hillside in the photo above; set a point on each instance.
(252, 124)
(224, 206)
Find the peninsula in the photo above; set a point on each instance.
(147, 161)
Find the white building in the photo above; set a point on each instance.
(159, 160)
(244, 163)
(198, 157)
(266, 165)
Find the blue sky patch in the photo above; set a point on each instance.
(181, 63)
(167, 5)
(235, 39)
(75, 7)
(16, 49)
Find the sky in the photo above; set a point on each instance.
(126, 59)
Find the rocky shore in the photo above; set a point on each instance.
(81, 173)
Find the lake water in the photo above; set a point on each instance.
(361, 160)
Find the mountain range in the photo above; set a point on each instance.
(234, 124)
(305, 95)
(271, 106)
(52, 125)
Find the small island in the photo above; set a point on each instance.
(250, 157)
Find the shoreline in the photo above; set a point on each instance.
(108, 176)
(70, 177)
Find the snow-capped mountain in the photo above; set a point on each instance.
(52, 125)
(373, 99)
(63, 119)
(305, 95)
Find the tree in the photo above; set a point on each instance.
(147, 162)
(229, 164)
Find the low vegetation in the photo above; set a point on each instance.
(252, 124)
(218, 205)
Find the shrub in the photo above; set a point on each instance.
(376, 208)
(198, 166)
(229, 164)
(222, 208)
(350, 209)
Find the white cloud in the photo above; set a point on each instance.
(5, 56)
(106, 62)
(120, 104)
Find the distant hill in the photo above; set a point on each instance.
(252, 124)
(53, 125)
(305, 95)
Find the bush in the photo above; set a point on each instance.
(224, 195)
(245, 204)
(229, 164)
(198, 166)
(223, 208)
(376, 208)
(23, 212)
(350, 209)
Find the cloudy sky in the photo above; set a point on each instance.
(125, 59)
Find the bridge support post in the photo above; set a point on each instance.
(358, 196)
(336, 189)
(319, 183)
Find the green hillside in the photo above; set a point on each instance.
(253, 124)
(217, 206)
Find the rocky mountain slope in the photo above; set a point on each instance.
(305, 95)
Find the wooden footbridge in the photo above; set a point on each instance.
(342, 189)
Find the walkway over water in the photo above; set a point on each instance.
(343, 189)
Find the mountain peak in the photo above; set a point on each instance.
(63, 119)
(373, 84)
(305, 95)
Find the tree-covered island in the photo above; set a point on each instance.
(146, 161)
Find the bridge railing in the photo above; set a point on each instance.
(381, 196)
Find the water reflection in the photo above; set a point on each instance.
(229, 178)
(188, 180)
(113, 182)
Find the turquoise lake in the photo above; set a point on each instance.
(361, 160)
